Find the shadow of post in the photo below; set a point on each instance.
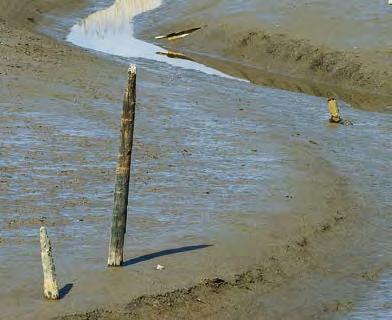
(65, 290)
(164, 253)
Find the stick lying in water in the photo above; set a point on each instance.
(175, 55)
(177, 35)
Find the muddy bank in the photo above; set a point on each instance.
(258, 293)
(217, 190)
(309, 47)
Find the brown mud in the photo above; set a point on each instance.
(285, 252)
(303, 47)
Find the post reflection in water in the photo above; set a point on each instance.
(111, 31)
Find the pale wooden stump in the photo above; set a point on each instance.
(334, 110)
(51, 287)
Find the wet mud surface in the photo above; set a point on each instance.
(316, 47)
(228, 184)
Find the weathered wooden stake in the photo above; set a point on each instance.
(51, 287)
(334, 111)
(119, 220)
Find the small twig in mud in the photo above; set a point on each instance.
(325, 227)
(199, 300)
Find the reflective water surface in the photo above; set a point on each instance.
(214, 158)
(111, 31)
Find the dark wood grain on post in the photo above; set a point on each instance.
(120, 208)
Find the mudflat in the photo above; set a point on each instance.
(323, 48)
(252, 213)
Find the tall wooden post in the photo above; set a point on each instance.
(51, 287)
(119, 220)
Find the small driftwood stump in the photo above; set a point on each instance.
(334, 110)
(51, 287)
(120, 208)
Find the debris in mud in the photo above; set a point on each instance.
(249, 277)
(325, 227)
(13, 223)
(160, 267)
(199, 300)
(247, 39)
(370, 275)
(387, 305)
(175, 55)
(32, 222)
(178, 35)
(65, 172)
(339, 306)
(347, 123)
(313, 142)
(186, 152)
(339, 217)
(303, 243)
(215, 282)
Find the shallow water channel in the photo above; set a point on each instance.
(111, 31)
(213, 161)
